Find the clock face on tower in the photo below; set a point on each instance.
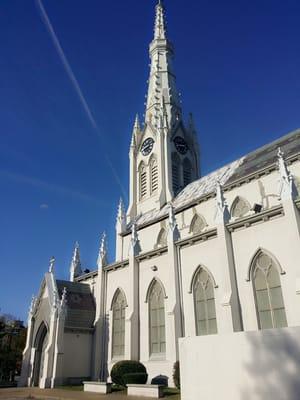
(181, 145)
(147, 146)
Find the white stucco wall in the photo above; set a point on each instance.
(263, 365)
(77, 354)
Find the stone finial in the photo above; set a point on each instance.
(55, 300)
(121, 217)
(134, 241)
(222, 213)
(32, 306)
(75, 268)
(172, 219)
(136, 130)
(172, 224)
(102, 256)
(287, 188)
(63, 303)
(51, 265)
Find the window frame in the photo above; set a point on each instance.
(162, 354)
(211, 281)
(279, 271)
(123, 305)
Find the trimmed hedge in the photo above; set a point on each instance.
(176, 374)
(122, 368)
(135, 377)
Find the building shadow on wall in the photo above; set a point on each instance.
(275, 366)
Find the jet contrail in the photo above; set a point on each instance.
(76, 85)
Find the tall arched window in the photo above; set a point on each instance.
(187, 172)
(240, 208)
(153, 175)
(175, 173)
(205, 309)
(162, 239)
(157, 334)
(268, 293)
(118, 326)
(143, 180)
(198, 224)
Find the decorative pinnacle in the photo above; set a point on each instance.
(220, 195)
(172, 218)
(32, 305)
(121, 216)
(287, 189)
(75, 268)
(76, 254)
(102, 257)
(284, 173)
(51, 265)
(222, 213)
(63, 301)
(136, 131)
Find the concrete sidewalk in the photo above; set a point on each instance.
(59, 394)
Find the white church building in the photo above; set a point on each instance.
(196, 256)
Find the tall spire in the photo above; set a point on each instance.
(162, 81)
(160, 28)
(75, 268)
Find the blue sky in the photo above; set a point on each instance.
(238, 69)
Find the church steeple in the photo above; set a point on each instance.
(162, 81)
(163, 153)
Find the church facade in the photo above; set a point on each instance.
(194, 255)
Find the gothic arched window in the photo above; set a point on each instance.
(176, 173)
(240, 208)
(157, 335)
(118, 325)
(187, 172)
(268, 293)
(205, 309)
(153, 175)
(143, 180)
(162, 239)
(198, 224)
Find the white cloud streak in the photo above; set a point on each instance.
(40, 184)
(76, 85)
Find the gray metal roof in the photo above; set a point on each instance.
(259, 159)
(80, 304)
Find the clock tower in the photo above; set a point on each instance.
(164, 152)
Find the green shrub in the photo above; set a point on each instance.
(135, 377)
(122, 368)
(176, 374)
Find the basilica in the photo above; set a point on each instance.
(195, 255)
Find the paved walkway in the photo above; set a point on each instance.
(59, 394)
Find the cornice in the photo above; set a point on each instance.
(201, 237)
(116, 265)
(153, 253)
(263, 216)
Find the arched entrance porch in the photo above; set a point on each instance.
(40, 344)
